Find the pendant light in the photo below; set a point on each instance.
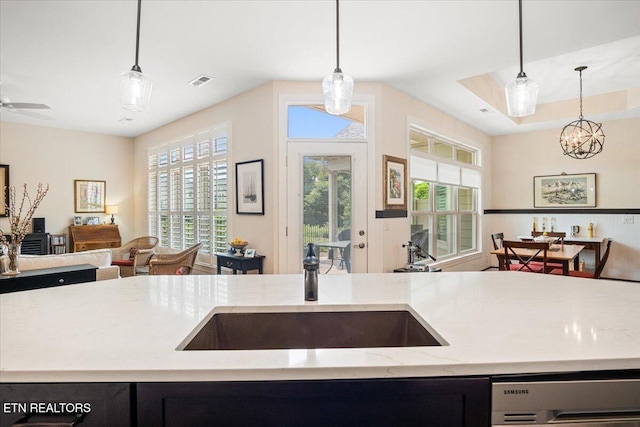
(521, 93)
(135, 92)
(581, 138)
(337, 87)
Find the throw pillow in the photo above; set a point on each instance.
(182, 270)
(132, 253)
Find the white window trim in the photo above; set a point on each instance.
(421, 126)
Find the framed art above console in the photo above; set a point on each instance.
(564, 191)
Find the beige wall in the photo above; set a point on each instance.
(398, 111)
(520, 157)
(58, 157)
(251, 119)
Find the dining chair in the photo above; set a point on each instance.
(526, 262)
(497, 239)
(178, 263)
(559, 235)
(133, 257)
(587, 274)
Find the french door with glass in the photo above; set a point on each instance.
(327, 205)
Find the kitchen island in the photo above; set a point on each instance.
(132, 330)
(494, 323)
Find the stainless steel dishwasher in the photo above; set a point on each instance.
(574, 402)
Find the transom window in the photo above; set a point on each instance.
(313, 122)
(187, 194)
(445, 182)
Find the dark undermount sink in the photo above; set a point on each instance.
(312, 329)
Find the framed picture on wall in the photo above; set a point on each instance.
(4, 190)
(394, 188)
(564, 191)
(250, 187)
(89, 196)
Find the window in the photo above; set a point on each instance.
(445, 181)
(187, 193)
(313, 122)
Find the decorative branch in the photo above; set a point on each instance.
(19, 226)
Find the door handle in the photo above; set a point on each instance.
(359, 245)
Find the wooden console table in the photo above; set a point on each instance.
(241, 263)
(590, 244)
(48, 277)
(87, 237)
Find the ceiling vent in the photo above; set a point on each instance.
(200, 80)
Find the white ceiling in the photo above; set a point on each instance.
(70, 54)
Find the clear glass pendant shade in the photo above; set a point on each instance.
(522, 94)
(338, 90)
(135, 93)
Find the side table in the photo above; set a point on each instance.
(241, 263)
(48, 277)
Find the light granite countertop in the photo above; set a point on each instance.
(494, 323)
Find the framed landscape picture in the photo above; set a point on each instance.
(394, 188)
(565, 191)
(250, 187)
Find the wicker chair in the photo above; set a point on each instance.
(133, 257)
(170, 264)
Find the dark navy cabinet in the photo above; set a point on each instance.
(425, 402)
(68, 404)
(48, 277)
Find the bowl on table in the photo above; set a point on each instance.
(238, 247)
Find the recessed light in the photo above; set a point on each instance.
(201, 80)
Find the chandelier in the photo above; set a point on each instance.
(582, 139)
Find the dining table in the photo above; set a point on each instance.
(562, 254)
(340, 245)
(595, 244)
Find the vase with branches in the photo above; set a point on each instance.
(20, 216)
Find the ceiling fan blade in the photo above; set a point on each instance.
(28, 114)
(27, 105)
